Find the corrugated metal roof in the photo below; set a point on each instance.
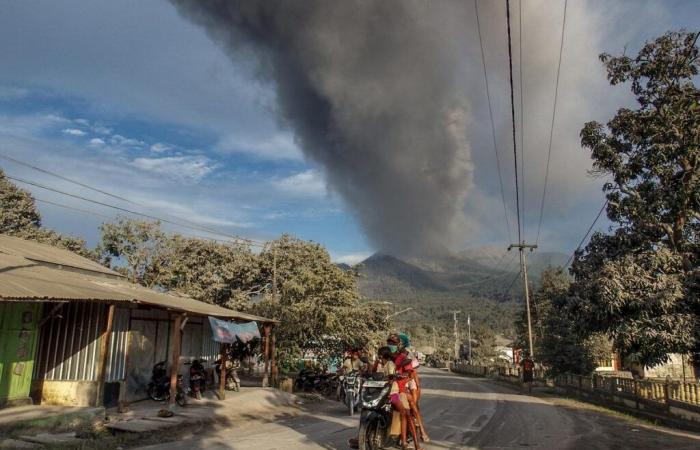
(22, 278)
(46, 253)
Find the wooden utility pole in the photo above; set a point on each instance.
(469, 335)
(175, 348)
(105, 341)
(456, 330)
(523, 268)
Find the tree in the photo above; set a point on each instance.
(316, 301)
(639, 284)
(19, 217)
(222, 273)
(138, 243)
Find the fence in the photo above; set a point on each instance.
(675, 400)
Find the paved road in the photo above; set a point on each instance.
(461, 413)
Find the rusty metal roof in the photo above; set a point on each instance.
(30, 271)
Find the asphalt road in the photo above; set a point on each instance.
(460, 413)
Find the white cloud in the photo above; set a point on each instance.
(352, 258)
(188, 167)
(83, 122)
(122, 141)
(11, 92)
(280, 146)
(96, 142)
(73, 132)
(309, 183)
(159, 147)
(102, 130)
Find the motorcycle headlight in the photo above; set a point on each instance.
(373, 403)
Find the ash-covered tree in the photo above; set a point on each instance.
(133, 247)
(19, 217)
(639, 284)
(561, 342)
(316, 301)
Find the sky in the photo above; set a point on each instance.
(134, 99)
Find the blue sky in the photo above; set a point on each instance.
(131, 98)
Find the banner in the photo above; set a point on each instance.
(227, 332)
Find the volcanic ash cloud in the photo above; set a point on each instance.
(375, 93)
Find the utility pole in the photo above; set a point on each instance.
(454, 314)
(523, 268)
(469, 335)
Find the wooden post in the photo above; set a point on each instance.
(175, 344)
(104, 349)
(266, 353)
(222, 372)
(273, 361)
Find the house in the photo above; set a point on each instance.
(73, 332)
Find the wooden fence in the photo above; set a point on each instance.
(676, 400)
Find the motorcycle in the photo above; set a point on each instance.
(375, 416)
(159, 386)
(198, 379)
(351, 391)
(308, 380)
(232, 382)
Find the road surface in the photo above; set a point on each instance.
(460, 413)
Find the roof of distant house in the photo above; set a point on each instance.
(34, 271)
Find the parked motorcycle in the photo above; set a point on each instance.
(198, 379)
(232, 382)
(352, 383)
(159, 387)
(376, 415)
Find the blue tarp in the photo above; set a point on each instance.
(227, 332)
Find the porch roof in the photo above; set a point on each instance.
(39, 272)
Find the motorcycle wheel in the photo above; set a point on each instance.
(154, 395)
(180, 398)
(371, 437)
(350, 400)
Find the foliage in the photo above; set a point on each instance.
(316, 302)
(297, 283)
(19, 217)
(560, 342)
(639, 284)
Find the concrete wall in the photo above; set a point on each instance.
(70, 393)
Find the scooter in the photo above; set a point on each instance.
(232, 382)
(159, 387)
(376, 415)
(198, 379)
(352, 384)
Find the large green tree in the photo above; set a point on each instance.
(20, 217)
(316, 301)
(639, 284)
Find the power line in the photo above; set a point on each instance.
(551, 128)
(512, 114)
(105, 216)
(585, 236)
(493, 126)
(54, 174)
(522, 107)
(109, 194)
(149, 216)
(510, 285)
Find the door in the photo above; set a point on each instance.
(18, 336)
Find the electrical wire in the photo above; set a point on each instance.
(585, 236)
(109, 194)
(105, 216)
(522, 107)
(512, 114)
(493, 126)
(551, 128)
(148, 216)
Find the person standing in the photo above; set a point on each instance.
(527, 366)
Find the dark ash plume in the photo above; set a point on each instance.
(375, 93)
